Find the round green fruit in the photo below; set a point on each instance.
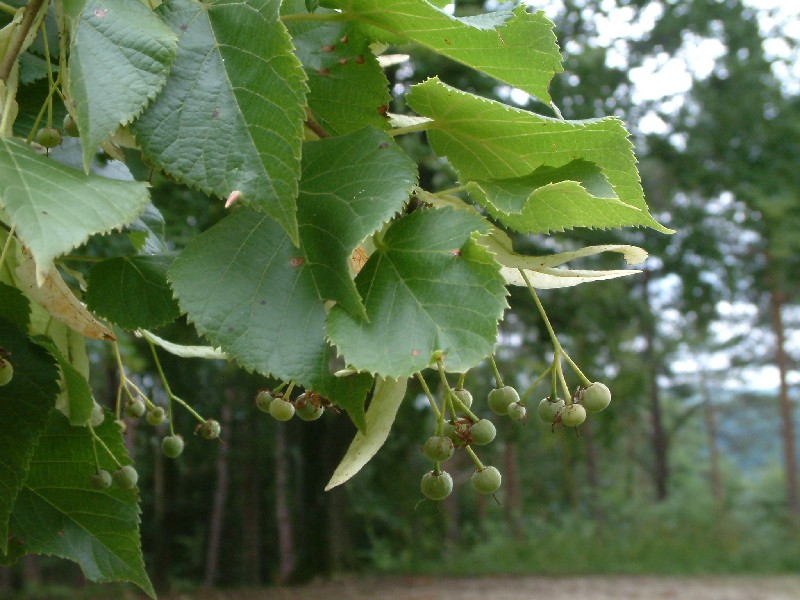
(263, 399)
(281, 410)
(482, 432)
(596, 397)
(438, 448)
(155, 416)
(126, 477)
(307, 408)
(172, 446)
(517, 411)
(135, 408)
(501, 398)
(101, 480)
(97, 415)
(464, 395)
(486, 480)
(573, 415)
(70, 126)
(48, 137)
(548, 409)
(6, 372)
(436, 486)
(210, 430)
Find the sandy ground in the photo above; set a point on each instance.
(527, 588)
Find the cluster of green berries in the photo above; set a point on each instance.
(504, 401)
(308, 406)
(125, 478)
(592, 399)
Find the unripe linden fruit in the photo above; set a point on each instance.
(280, 409)
(70, 126)
(486, 481)
(308, 410)
(101, 480)
(436, 487)
(596, 397)
(48, 137)
(517, 411)
(573, 415)
(548, 410)
(464, 395)
(500, 399)
(155, 416)
(482, 432)
(135, 408)
(211, 429)
(172, 446)
(6, 372)
(438, 448)
(97, 416)
(126, 477)
(263, 399)
(449, 431)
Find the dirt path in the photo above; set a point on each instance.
(528, 588)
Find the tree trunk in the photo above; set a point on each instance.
(711, 428)
(251, 505)
(220, 494)
(776, 299)
(287, 557)
(660, 443)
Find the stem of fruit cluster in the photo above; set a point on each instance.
(167, 389)
(15, 46)
(564, 386)
(47, 102)
(497, 377)
(8, 9)
(556, 110)
(450, 396)
(554, 380)
(122, 379)
(584, 380)
(7, 245)
(410, 128)
(460, 383)
(474, 458)
(531, 387)
(96, 439)
(431, 401)
(50, 81)
(553, 338)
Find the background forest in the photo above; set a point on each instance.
(693, 468)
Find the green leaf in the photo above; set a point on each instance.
(77, 400)
(206, 352)
(119, 58)
(14, 306)
(351, 186)
(25, 403)
(514, 46)
(59, 513)
(386, 401)
(553, 199)
(488, 141)
(132, 291)
(230, 117)
(55, 208)
(427, 288)
(247, 290)
(347, 86)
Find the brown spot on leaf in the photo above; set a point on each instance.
(342, 61)
(328, 48)
(323, 72)
(100, 13)
(456, 252)
(344, 39)
(360, 59)
(296, 261)
(383, 109)
(415, 352)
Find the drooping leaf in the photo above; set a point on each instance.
(382, 410)
(248, 291)
(59, 513)
(486, 140)
(347, 87)
(553, 199)
(55, 208)
(119, 58)
(351, 186)
(75, 400)
(540, 270)
(516, 47)
(427, 288)
(25, 403)
(132, 291)
(230, 117)
(182, 350)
